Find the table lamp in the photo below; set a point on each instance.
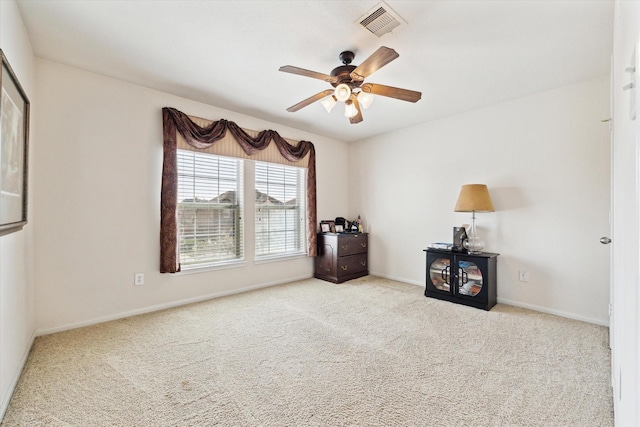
(474, 198)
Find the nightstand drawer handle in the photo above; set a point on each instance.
(345, 247)
(344, 267)
(363, 263)
(364, 245)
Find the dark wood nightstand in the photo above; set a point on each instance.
(342, 256)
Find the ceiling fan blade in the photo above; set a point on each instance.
(392, 92)
(377, 60)
(310, 100)
(358, 117)
(307, 73)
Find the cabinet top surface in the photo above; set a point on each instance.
(448, 252)
(343, 234)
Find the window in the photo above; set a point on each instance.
(182, 132)
(209, 209)
(280, 210)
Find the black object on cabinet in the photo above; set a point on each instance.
(342, 256)
(462, 278)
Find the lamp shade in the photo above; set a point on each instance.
(350, 109)
(328, 102)
(365, 99)
(474, 198)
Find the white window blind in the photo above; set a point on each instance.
(209, 209)
(280, 224)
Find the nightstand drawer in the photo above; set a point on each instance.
(353, 264)
(351, 244)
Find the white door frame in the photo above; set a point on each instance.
(625, 223)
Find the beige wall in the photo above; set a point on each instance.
(545, 159)
(97, 185)
(16, 254)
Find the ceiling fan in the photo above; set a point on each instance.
(348, 81)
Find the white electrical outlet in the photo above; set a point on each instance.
(138, 279)
(524, 276)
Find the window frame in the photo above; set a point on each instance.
(219, 259)
(300, 225)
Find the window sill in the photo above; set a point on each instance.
(277, 258)
(211, 267)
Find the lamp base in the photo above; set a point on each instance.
(474, 245)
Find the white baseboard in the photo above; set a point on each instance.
(541, 309)
(560, 313)
(158, 307)
(16, 376)
(397, 279)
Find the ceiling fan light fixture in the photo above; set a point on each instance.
(328, 102)
(342, 92)
(365, 99)
(350, 109)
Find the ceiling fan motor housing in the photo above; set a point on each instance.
(343, 72)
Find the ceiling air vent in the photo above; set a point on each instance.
(380, 20)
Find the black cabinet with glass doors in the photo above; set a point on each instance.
(462, 278)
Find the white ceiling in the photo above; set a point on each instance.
(461, 55)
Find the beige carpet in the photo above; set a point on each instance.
(369, 352)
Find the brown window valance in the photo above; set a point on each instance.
(228, 146)
(179, 126)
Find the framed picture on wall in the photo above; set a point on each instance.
(14, 135)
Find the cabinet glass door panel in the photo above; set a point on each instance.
(469, 279)
(440, 273)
